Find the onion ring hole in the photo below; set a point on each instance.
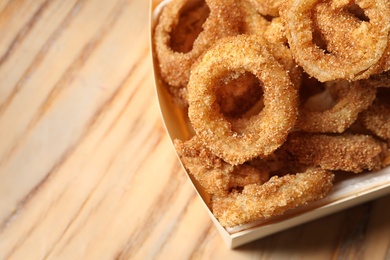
(240, 96)
(191, 19)
(352, 10)
(314, 96)
(357, 11)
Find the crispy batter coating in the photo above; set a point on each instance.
(215, 175)
(224, 18)
(183, 34)
(351, 98)
(329, 16)
(345, 152)
(246, 138)
(272, 198)
(358, 48)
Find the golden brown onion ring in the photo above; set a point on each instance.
(273, 198)
(327, 20)
(351, 98)
(216, 176)
(367, 40)
(259, 135)
(345, 152)
(223, 20)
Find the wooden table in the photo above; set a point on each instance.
(87, 170)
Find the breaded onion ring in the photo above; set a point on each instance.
(273, 198)
(274, 33)
(345, 152)
(366, 40)
(215, 175)
(350, 99)
(259, 135)
(224, 19)
(327, 20)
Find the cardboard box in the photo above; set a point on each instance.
(346, 193)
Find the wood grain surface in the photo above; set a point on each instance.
(87, 170)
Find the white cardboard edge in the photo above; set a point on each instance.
(345, 194)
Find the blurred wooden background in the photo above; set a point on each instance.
(86, 168)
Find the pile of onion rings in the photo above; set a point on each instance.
(282, 97)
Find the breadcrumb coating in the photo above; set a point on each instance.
(272, 198)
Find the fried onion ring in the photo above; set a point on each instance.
(215, 175)
(366, 40)
(327, 15)
(259, 135)
(224, 19)
(272, 198)
(350, 99)
(345, 152)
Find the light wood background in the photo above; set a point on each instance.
(86, 168)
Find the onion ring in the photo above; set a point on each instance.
(215, 175)
(351, 99)
(367, 40)
(325, 17)
(223, 20)
(262, 133)
(345, 152)
(272, 198)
